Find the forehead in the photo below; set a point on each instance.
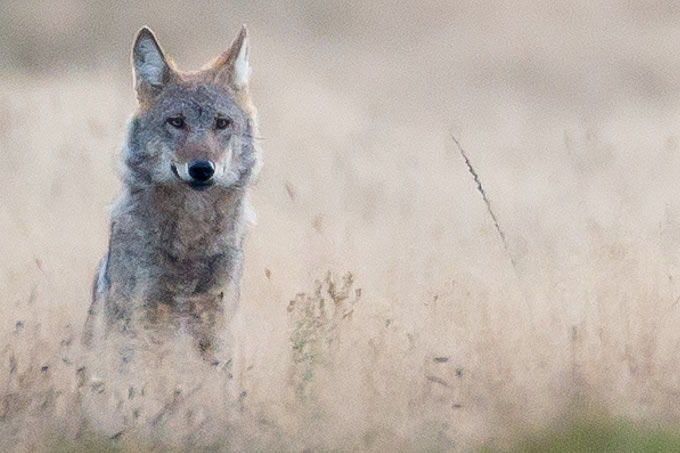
(196, 101)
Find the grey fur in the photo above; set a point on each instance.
(175, 253)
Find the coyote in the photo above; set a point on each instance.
(175, 251)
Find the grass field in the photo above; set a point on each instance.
(436, 332)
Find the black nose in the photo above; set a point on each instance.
(201, 170)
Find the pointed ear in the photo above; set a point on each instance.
(151, 70)
(232, 66)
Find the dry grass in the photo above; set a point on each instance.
(570, 116)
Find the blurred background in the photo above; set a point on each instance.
(570, 115)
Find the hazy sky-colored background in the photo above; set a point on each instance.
(568, 111)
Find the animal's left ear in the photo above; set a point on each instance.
(232, 66)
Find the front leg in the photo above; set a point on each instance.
(208, 321)
(99, 287)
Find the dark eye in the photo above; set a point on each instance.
(222, 123)
(176, 121)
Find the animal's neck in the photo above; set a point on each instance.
(189, 223)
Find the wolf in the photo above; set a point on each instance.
(175, 251)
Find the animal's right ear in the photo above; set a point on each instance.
(151, 70)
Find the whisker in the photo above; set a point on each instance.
(254, 137)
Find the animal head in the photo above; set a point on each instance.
(192, 130)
